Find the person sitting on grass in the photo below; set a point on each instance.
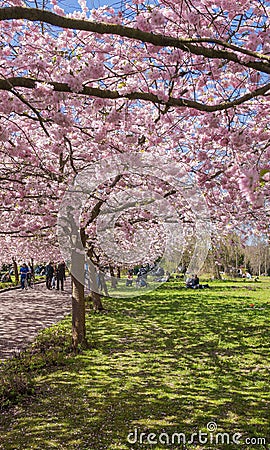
(129, 280)
(142, 277)
(194, 283)
(190, 282)
(6, 278)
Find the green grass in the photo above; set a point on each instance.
(7, 285)
(170, 361)
(12, 283)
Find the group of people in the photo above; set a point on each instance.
(193, 282)
(55, 275)
(141, 280)
(156, 272)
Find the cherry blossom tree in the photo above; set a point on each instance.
(188, 79)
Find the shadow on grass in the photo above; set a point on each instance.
(167, 362)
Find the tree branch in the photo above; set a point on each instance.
(39, 118)
(186, 45)
(29, 83)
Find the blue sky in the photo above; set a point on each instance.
(71, 5)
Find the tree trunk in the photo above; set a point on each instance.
(216, 270)
(16, 272)
(113, 279)
(95, 295)
(78, 300)
(97, 304)
(33, 269)
(103, 284)
(78, 314)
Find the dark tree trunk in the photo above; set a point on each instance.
(78, 300)
(97, 304)
(16, 272)
(78, 314)
(92, 274)
(113, 279)
(118, 272)
(103, 284)
(111, 271)
(95, 295)
(33, 270)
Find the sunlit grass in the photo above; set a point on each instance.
(170, 361)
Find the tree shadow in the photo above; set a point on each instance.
(163, 363)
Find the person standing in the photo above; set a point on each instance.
(60, 275)
(30, 276)
(23, 274)
(49, 271)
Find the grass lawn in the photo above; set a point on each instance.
(169, 362)
(5, 285)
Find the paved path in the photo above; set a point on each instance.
(24, 313)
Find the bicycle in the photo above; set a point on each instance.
(29, 282)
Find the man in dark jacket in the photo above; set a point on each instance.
(49, 271)
(60, 275)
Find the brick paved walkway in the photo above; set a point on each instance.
(24, 313)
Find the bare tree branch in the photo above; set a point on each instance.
(29, 83)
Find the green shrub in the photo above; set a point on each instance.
(14, 386)
(50, 349)
(6, 285)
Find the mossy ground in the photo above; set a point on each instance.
(171, 361)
